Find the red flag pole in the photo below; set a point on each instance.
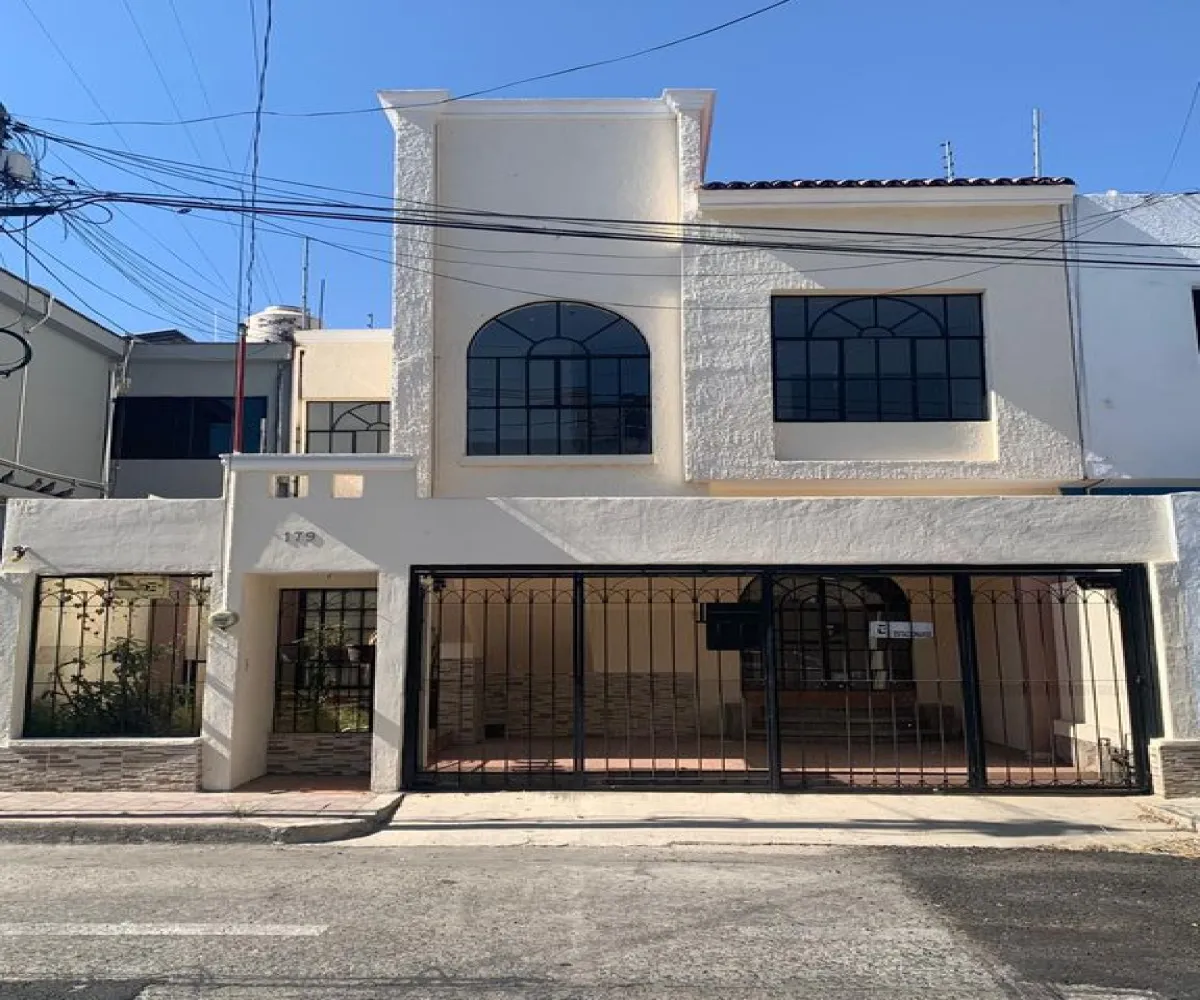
(239, 391)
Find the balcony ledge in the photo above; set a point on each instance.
(291, 463)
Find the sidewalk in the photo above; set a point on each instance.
(281, 813)
(672, 819)
(310, 811)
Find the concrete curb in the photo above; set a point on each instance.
(135, 830)
(1182, 817)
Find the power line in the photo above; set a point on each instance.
(79, 298)
(202, 174)
(1187, 120)
(191, 54)
(255, 149)
(595, 64)
(162, 79)
(675, 235)
(116, 162)
(107, 118)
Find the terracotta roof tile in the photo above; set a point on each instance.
(889, 183)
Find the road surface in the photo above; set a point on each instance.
(347, 922)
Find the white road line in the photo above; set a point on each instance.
(162, 930)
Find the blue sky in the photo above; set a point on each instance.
(818, 88)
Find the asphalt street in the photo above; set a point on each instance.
(317, 923)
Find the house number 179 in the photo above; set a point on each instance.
(300, 537)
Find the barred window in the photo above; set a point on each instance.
(558, 378)
(347, 428)
(878, 358)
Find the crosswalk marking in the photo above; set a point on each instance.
(161, 930)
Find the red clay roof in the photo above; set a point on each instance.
(891, 183)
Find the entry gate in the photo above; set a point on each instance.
(781, 678)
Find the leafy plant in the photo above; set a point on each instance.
(327, 651)
(123, 700)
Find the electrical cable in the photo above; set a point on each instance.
(255, 152)
(677, 234)
(82, 301)
(202, 174)
(1183, 131)
(712, 30)
(108, 119)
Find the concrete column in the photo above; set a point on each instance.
(17, 596)
(1175, 759)
(391, 659)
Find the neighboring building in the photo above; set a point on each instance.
(55, 413)
(174, 416)
(1140, 365)
(343, 391)
(700, 515)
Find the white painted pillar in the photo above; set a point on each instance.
(1175, 759)
(17, 596)
(391, 660)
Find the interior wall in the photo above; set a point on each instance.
(1093, 696)
(935, 660)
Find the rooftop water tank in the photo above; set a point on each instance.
(276, 324)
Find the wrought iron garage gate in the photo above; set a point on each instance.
(779, 678)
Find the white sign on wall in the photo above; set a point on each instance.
(901, 630)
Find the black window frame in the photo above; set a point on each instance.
(1196, 312)
(923, 386)
(176, 428)
(341, 416)
(558, 378)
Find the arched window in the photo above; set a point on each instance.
(558, 378)
(823, 638)
(347, 427)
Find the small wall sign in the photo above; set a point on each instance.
(901, 630)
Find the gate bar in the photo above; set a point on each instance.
(968, 665)
(578, 675)
(771, 681)
(1141, 674)
(414, 690)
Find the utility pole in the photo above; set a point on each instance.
(16, 174)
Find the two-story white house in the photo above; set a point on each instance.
(678, 482)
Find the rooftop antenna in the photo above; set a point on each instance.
(1037, 142)
(948, 160)
(304, 284)
(370, 321)
(321, 307)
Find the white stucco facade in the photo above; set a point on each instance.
(723, 485)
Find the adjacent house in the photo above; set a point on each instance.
(55, 412)
(656, 481)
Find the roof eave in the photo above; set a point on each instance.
(882, 197)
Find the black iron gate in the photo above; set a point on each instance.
(779, 678)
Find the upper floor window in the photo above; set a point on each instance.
(558, 378)
(166, 427)
(347, 428)
(878, 357)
